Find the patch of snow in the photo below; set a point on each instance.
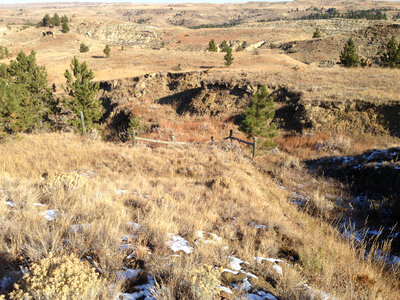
(178, 243)
(128, 274)
(278, 269)
(314, 293)
(230, 271)
(88, 174)
(50, 214)
(215, 239)
(120, 192)
(235, 263)
(275, 261)
(5, 283)
(225, 289)
(248, 274)
(266, 296)
(38, 204)
(10, 203)
(135, 226)
(258, 226)
(76, 228)
(261, 296)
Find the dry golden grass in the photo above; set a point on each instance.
(171, 191)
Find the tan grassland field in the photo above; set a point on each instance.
(109, 211)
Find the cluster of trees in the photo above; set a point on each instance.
(389, 59)
(228, 58)
(223, 25)
(48, 21)
(27, 102)
(85, 48)
(369, 14)
(4, 52)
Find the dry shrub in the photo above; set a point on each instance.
(205, 282)
(318, 205)
(61, 181)
(221, 182)
(339, 143)
(58, 277)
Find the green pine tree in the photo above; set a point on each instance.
(349, 56)
(64, 19)
(65, 27)
(46, 21)
(224, 46)
(83, 48)
(26, 100)
(228, 57)
(107, 51)
(56, 20)
(258, 118)
(391, 58)
(212, 47)
(25, 71)
(82, 92)
(317, 33)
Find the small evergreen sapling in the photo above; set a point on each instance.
(65, 27)
(391, 58)
(228, 57)
(83, 97)
(224, 46)
(83, 48)
(317, 33)
(349, 57)
(212, 47)
(258, 118)
(107, 51)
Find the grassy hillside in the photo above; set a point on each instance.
(123, 210)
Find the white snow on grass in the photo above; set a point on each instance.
(120, 192)
(38, 204)
(261, 296)
(213, 238)
(225, 289)
(128, 274)
(135, 226)
(178, 243)
(144, 292)
(78, 228)
(50, 214)
(230, 271)
(314, 293)
(10, 203)
(275, 261)
(235, 263)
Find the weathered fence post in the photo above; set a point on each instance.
(172, 138)
(254, 146)
(230, 135)
(212, 140)
(83, 123)
(134, 138)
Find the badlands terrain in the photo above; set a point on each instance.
(314, 217)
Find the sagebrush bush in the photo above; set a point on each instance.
(205, 282)
(61, 181)
(58, 277)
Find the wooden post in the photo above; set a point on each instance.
(212, 139)
(254, 146)
(230, 135)
(83, 123)
(172, 138)
(134, 138)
